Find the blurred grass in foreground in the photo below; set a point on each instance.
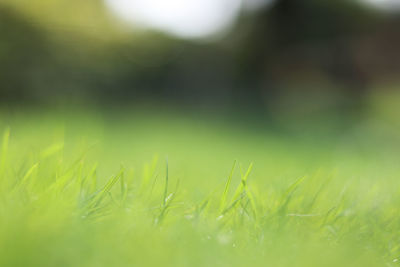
(85, 188)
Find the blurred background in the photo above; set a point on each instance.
(269, 58)
(294, 86)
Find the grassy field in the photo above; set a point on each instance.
(85, 188)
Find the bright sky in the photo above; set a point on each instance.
(386, 4)
(182, 18)
(194, 18)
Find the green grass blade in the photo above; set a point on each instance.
(225, 193)
(4, 152)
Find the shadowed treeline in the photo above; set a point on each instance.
(323, 49)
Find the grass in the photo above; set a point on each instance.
(90, 190)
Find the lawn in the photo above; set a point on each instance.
(134, 188)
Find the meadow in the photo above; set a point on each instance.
(139, 188)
